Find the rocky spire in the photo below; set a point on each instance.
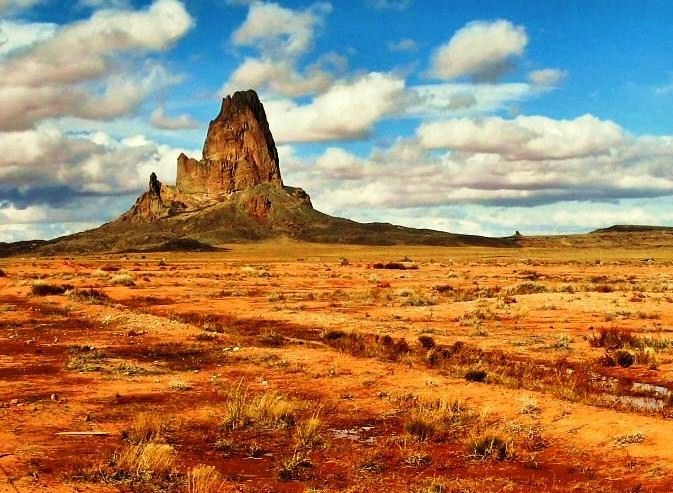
(239, 151)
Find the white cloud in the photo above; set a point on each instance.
(460, 99)
(160, 120)
(16, 35)
(278, 77)
(548, 77)
(15, 5)
(346, 111)
(86, 162)
(525, 137)
(527, 161)
(73, 72)
(276, 30)
(406, 44)
(280, 36)
(482, 50)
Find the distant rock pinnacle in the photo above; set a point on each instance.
(239, 151)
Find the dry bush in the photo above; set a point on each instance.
(307, 434)
(491, 446)
(204, 479)
(85, 359)
(146, 427)
(148, 458)
(420, 427)
(122, 280)
(268, 409)
(526, 288)
(612, 339)
(426, 341)
(44, 289)
(88, 295)
(272, 339)
(394, 265)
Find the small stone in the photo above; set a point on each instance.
(54, 397)
(14, 402)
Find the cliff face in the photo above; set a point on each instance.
(239, 151)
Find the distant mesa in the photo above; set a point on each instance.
(235, 193)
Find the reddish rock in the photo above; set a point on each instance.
(239, 151)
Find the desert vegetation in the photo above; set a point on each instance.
(252, 370)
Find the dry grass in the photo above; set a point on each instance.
(204, 479)
(146, 427)
(268, 409)
(307, 435)
(148, 458)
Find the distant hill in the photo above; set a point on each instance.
(631, 228)
(234, 193)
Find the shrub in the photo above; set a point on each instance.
(89, 295)
(307, 434)
(624, 358)
(123, 280)
(475, 375)
(268, 409)
(333, 335)
(272, 339)
(527, 288)
(146, 459)
(489, 446)
(612, 339)
(85, 359)
(203, 479)
(394, 265)
(291, 467)
(146, 427)
(44, 289)
(420, 427)
(426, 341)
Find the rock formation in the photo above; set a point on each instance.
(239, 154)
(235, 193)
(239, 151)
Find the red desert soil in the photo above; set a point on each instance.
(289, 369)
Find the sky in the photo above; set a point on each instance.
(471, 117)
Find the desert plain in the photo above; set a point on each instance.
(292, 367)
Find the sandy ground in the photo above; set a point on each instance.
(178, 334)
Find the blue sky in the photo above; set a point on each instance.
(544, 117)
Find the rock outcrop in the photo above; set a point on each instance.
(235, 193)
(239, 151)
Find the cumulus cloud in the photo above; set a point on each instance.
(347, 111)
(462, 99)
(15, 35)
(481, 50)
(524, 162)
(547, 77)
(76, 71)
(15, 5)
(277, 30)
(160, 120)
(83, 163)
(525, 137)
(279, 77)
(281, 36)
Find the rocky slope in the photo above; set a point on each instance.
(235, 193)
